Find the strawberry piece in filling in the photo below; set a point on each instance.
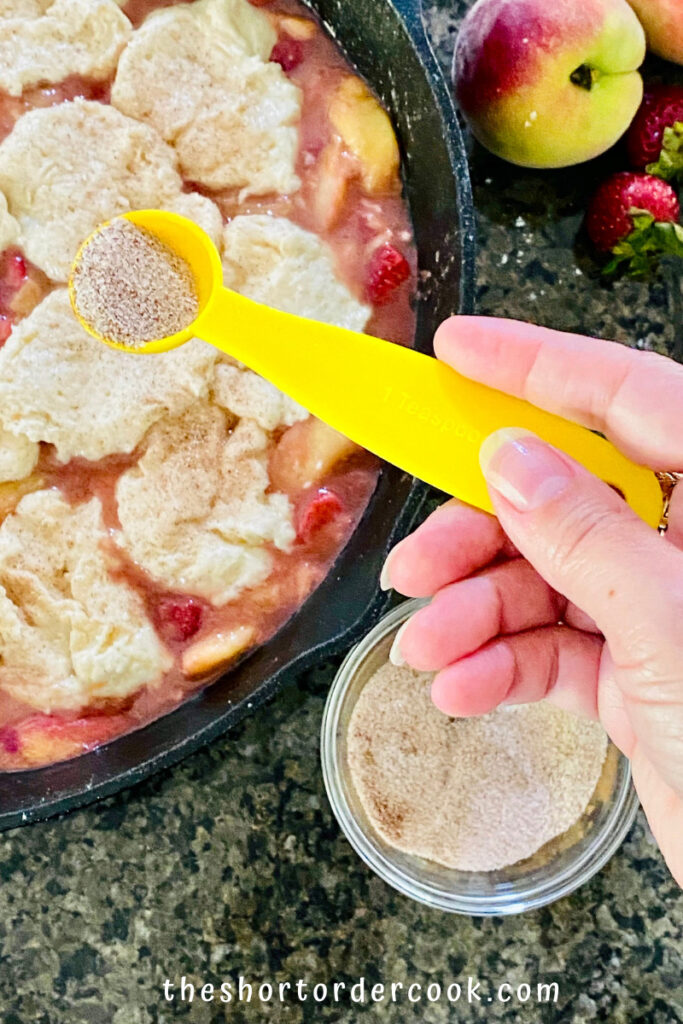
(288, 53)
(178, 618)
(388, 269)
(323, 508)
(13, 277)
(9, 740)
(13, 269)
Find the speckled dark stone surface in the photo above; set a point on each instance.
(232, 863)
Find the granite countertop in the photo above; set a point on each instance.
(232, 864)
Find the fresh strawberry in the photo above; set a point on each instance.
(610, 217)
(633, 216)
(178, 618)
(320, 511)
(655, 138)
(288, 53)
(5, 328)
(387, 270)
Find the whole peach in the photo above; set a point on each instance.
(663, 24)
(549, 83)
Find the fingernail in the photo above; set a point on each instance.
(395, 656)
(524, 470)
(384, 579)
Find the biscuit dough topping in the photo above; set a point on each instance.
(131, 288)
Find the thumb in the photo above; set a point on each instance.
(583, 539)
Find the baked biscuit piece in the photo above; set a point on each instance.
(67, 168)
(200, 75)
(24, 8)
(60, 385)
(249, 139)
(18, 456)
(32, 8)
(45, 42)
(195, 512)
(9, 229)
(202, 211)
(69, 633)
(274, 261)
(245, 394)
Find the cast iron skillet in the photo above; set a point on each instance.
(386, 42)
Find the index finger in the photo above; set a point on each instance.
(449, 545)
(634, 398)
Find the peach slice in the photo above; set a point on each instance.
(335, 170)
(367, 132)
(12, 492)
(216, 651)
(306, 454)
(28, 296)
(302, 29)
(46, 739)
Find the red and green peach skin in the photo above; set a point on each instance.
(549, 83)
(663, 24)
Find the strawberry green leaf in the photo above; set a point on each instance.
(670, 163)
(639, 254)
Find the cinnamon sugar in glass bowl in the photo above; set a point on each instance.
(556, 870)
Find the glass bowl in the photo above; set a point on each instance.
(556, 870)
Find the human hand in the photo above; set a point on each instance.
(567, 594)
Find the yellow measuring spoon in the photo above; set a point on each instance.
(406, 407)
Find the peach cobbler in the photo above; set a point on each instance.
(161, 515)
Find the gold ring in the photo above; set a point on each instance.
(667, 481)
